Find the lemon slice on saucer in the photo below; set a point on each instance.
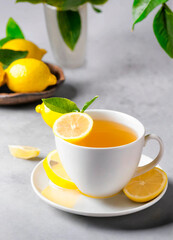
(146, 186)
(24, 152)
(73, 126)
(55, 171)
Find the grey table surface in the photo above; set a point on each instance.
(130, 73)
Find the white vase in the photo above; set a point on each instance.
(64, 56)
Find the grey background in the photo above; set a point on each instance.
(130, 73)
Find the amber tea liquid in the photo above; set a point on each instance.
(108, 134)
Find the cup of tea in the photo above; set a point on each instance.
(103, 162)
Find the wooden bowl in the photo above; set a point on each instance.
(8, 97)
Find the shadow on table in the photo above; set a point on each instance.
(66, 90)
(158, 215)
(36, 159)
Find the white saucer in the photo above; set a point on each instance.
(81, 205)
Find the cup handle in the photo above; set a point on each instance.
(149, 166)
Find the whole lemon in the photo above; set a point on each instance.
(29, 75)
(25, 45)
(48, 116)
(2, 76)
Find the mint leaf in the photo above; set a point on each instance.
(70, 27)
(61, 105)
(141, 9)
(163, 29)
(87, 104)
(13, 30)
(96, 9)
(4, 40)
(8, 56)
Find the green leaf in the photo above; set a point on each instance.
(96, 9)
(61, 105)
(4, 40)
(65, 4)
(87, 104)
(141, 9)
(8, 56)
(98, 2)
(60, 4)
(163, 29)
(70, 27)
(13, 30)
(32, 1)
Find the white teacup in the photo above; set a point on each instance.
(102, 172)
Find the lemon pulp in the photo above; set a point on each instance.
(73, 126)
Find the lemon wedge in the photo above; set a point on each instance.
(73, 126)
(48, 116)
(146, 186)
(24, 152)
(55, 171)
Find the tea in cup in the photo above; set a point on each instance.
(103, 162)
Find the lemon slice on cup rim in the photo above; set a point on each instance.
(73, 126)
(55, 171)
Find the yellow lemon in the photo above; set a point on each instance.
(73, 126)
(24, 152)
(25, 45)
(29, 75)
(48, 116)
(146, 186)
(55, 171)
(2, 76)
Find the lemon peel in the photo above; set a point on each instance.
(48, 116)
(56, 173)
